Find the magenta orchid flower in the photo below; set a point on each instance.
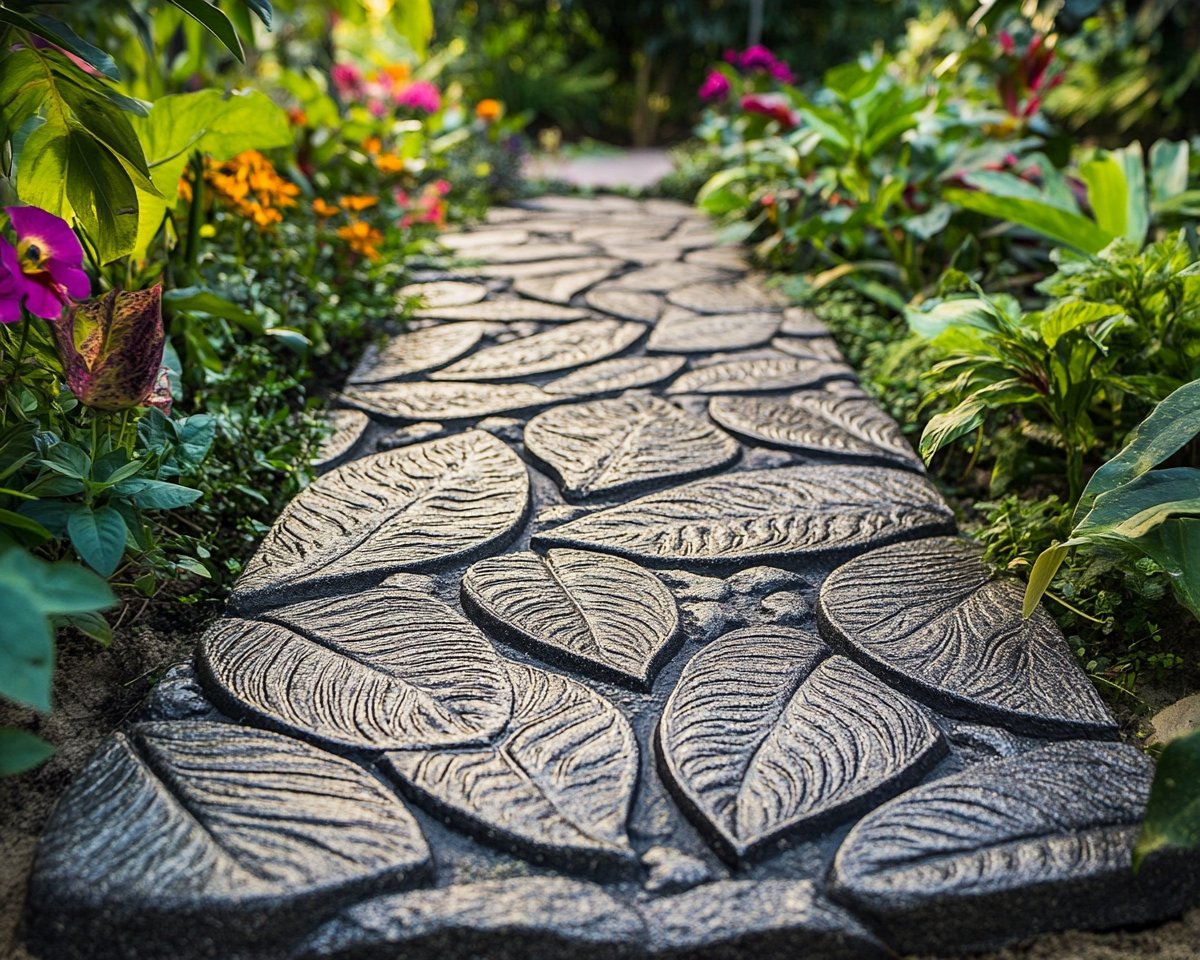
(715, 86)
(419, 95)
(43, 272)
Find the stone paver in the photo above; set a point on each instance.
(620, 624)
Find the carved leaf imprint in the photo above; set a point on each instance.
(546, 268)
(198, 815)
(605, 446)
(948, 632)
(817, 421)
(628, 304)
(682, 331)
(526, 252)
(769, 373)
(560, 288)
(663, 277)
(401, 510)
(388, 668)
(738, 297)
(766, 735)
(560, 778)
(445, 293)
(505, 311)
(423, 401)
(607, 617)
(559, 348)
(763, 515)
(612, 376)
(348, 427)
(420, 350)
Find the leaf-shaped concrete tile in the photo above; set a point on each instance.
(1007, 849)
(545, 268)
(820, 422)
(763, 515)
(931, 618)
(423, 401)
(348, 427)
(613, 376)
(666, 276)
(388, 668)
(560, 288)
(760, 375)
(606, 446)
(184, 833)
(559, 348)
(420, 350)
(505, 311)
(604, 616)
(767, 736)
(406, 509)
(557, 784)
(681, 331)
(527, 252)
(445, 293)
(629, 304)
(738, 297)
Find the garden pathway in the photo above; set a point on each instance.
(620, 623)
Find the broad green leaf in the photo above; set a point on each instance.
(21, 751)
(1171, 424)
(947, 427)
(157, 494)
(1040, 577)
(102, 196)
(26, 647)
(1173, 812)
(215, 22)
(262, 10)
(1175, 546)
(933, 320)
(1137, 217)
(1168, 169)
(1067, 315)
(61, 35)
(413, 20)
(199, 300)
(92, 625)
(1061, 226)
(17, 521)
(1108, 193)
(98, 536)
(1134, 508)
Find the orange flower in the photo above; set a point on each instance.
(185, 188)
(263, 217)
(324, 210)
(489, 110)
(389, 163)
(361, 238)
(251, 185)
(372, 145)
(297, 117)
(398, 73)
(357, 203)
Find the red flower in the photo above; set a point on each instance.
(773, 105)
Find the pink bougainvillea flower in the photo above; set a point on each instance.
(419, 95)
(759, 58)
(773, 105)
(44, 268)
(714, 87)
(112, 347)
(348, 79)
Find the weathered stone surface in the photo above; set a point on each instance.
(604, 616)
(468, 242)
(390, 668)
(767, 736)
(823, 348)
(613, 376)
(406, 509)
(421, 350)
(737, 297)
(526, 252)
(1011, 848)
(606, 446)
(1177, 720)
(817, 422)
(445, 293)
(423, 401)
(763, 515)
(664, 277)
(527, 790)
(673, 871)
(348, 427)
(560, 288)
(628, 304)
(545, 268)
(724, 258)
(798, 322)
(930, 630)
(765, 596)
(760, 375)
(514, 919)
(506, 311)
(180, 835)
(681, 331)
(559, 348)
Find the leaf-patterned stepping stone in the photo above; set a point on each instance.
(402, 510)
(506, 311)
(607, 617)
(629, 304)
(559, 781)
(424, 401)
(951, 633)
(468, 242)
(681, 331)
(560, 348)
(544, 268)
(759, 375)
(722, 298)
(527, 252)
(418, 351)
(560, 288)
(819, 422)
(348, 427)
(723, 258)
(1011, 848)
(613, 376)
(766, 736)
(607, 446)
(445, 293)
(178, 833)
(763, 515)
(822, 348)
(652, 253)
(798, 322)
(663, 277)
(388, 668)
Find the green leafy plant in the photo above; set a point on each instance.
(1173, 812)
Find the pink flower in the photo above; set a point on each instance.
(348, 79)
(773, 105)
(43, 271)
(419, 95)
(715, 86)
(759, 59)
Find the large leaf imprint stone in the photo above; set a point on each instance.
(559, 348)
(401, 510)
(932, 619)
(605, 616)
(388, 668)
(557, 784)
(178, 833)
(610, 445)
(767, 736)
(763, 515)
(1008, 849)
